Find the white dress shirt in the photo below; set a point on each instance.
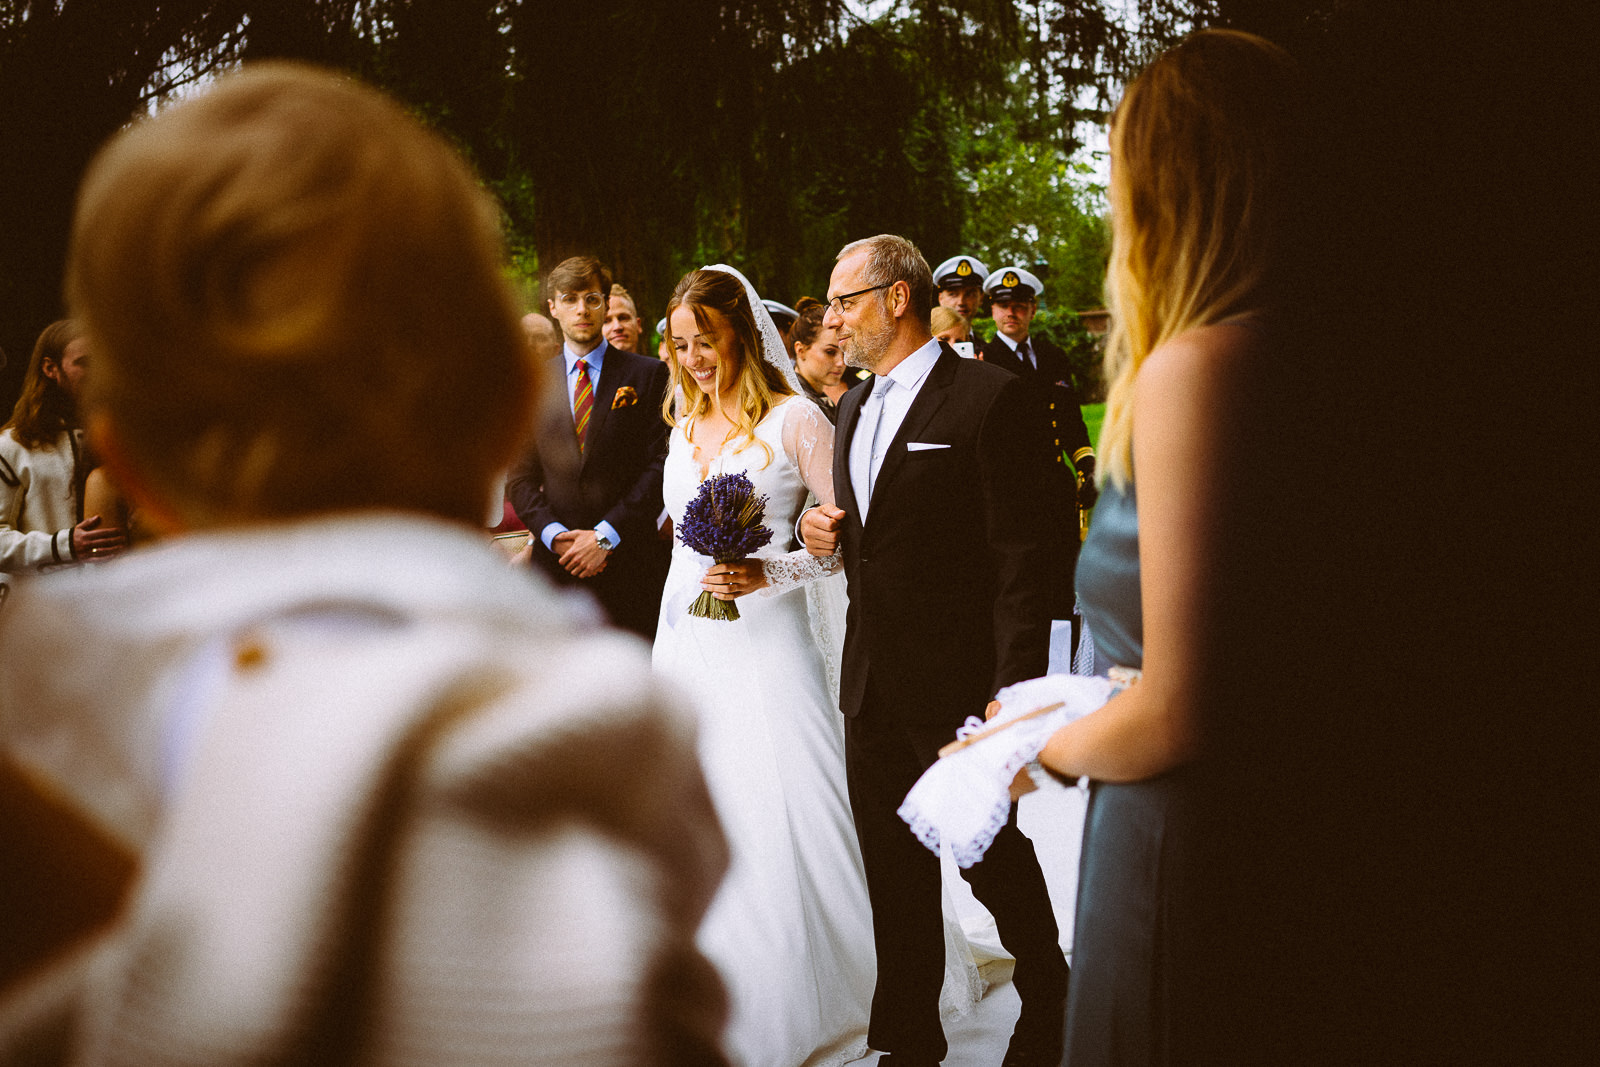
(1029, 359)
(886, 411)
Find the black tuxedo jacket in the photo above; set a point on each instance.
(617, 479)
(1051, 384)
(948, 576)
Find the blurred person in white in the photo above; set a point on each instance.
(389, 803)
(42, 466)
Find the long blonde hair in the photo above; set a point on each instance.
(760, 383)
(1198, 148)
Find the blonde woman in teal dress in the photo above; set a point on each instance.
(1198, 176)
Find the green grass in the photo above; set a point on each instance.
(1093, 416)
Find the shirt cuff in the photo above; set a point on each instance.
(609, 532)
(548, 534)
(799, 537)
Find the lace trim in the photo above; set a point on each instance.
(794, 569)
(965, 797)
(968, 848)
(854, 1049)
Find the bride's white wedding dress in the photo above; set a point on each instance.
(790, 930)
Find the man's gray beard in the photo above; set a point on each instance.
(867, 349)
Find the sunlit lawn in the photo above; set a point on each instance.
(1093, 416)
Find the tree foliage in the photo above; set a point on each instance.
(659, 137)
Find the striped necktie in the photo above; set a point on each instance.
(582, 402)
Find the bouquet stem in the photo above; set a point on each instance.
(706, 606)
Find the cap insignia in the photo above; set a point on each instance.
(1010, 280)
(963, 268)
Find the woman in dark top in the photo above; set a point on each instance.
(1197, 194)
(817, 359)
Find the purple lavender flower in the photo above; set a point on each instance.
(723, 521)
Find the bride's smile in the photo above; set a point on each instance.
(705, 352)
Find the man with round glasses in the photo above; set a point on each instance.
(589, 486)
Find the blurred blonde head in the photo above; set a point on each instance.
(294, 296)
(1199, 150)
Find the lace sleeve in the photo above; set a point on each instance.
(808, 442)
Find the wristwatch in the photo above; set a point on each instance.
(604, 542)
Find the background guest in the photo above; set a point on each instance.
(41, 465)
(1014, 294)
(954, 330)
(589, 483)
(817, 358)
(664, 349)
(622, 328)
(960, 282)
(102, 497)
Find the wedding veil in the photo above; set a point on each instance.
(772, 349)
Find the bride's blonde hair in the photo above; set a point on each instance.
(1198, 149)
(760, 384)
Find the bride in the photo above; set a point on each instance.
(790, 931)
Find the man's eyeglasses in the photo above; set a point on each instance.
(839, 305)
(592, 301)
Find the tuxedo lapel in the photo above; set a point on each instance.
(930, 398)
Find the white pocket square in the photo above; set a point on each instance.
(920, 446)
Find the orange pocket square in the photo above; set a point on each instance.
(625, 398)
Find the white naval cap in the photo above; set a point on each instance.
(959, 271)
(1013, 283)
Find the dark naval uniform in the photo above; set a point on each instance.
(1048, 373)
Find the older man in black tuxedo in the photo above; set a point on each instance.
(940, 472)
(589, 487)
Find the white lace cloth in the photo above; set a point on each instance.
(965, 798)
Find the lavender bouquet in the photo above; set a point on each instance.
(723, 521)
